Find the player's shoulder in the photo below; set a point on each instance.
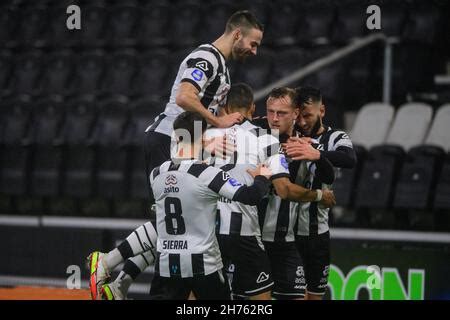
(207, 53)
(338, 138)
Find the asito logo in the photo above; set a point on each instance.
(171, 182)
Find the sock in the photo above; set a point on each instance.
(140, 240)
(113, 259)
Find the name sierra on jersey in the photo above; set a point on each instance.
(171, 182)
(175, 245)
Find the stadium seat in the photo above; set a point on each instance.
(45, 175)
(382, 167)
(423, 23)
(289, 60)
(143, 113)
(442, 199)
(350, 23)
(79, 121)
(372, 124)
(184, 29)
(26, 73)
(32, 23)
(403, 133)
(314, 24)
(15, 116)
(260, 8)
(57, 73)
(48, 115)
(88, 73)
(394, 15)
(215, 16)
(93, 33)
(282, 32)
(120, 73)
(14, 168)
(57, 34)
(111, 121)
(419, 176)
(8, 24)
(151, 77)
(78, 171)
(110, 174)
(154, 24)
(5, 70)
(256, 71)
(123, 19)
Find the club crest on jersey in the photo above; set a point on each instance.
(197, 74)
(202, 65)
(171, 182)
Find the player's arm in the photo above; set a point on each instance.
(220, 183)
(187, 98)
(342, 155)
(200, 69)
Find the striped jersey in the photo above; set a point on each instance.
(312, 218)
(254, 146)
(278, 216)
(206, 69)
(186, 195)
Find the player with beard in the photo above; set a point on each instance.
(278, 216)
(312, 236)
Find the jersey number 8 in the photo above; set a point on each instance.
(172, 207)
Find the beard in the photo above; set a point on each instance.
(315, 128)
(240, 53)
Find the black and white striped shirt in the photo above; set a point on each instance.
(186, 194)
(254, 146)
(312, 218)
(206, 69)
(277, 216)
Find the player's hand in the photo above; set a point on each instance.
(220, 147)
(260, 170)
(300, 140)
(228, 120)
(302, 151)
(328, 199)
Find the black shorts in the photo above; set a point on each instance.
(287, 270)
(211, 287)
(315, 253)
(246, 263)
(157, 150)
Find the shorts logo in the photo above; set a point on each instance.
(262, 277)
(203, 65)
(197, 74)
(300, 272)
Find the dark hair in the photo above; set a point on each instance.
(245, 19)
(240, 96)
(307, 95)
(281, 92)
(186, 121)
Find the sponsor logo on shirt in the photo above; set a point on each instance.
(197, 74)
(234, 182)
(171, 182)
(202, 65)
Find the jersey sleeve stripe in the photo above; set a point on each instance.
(155, 173)
(197, 169)
(195, 84)
(218, 182)
(272, 149)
